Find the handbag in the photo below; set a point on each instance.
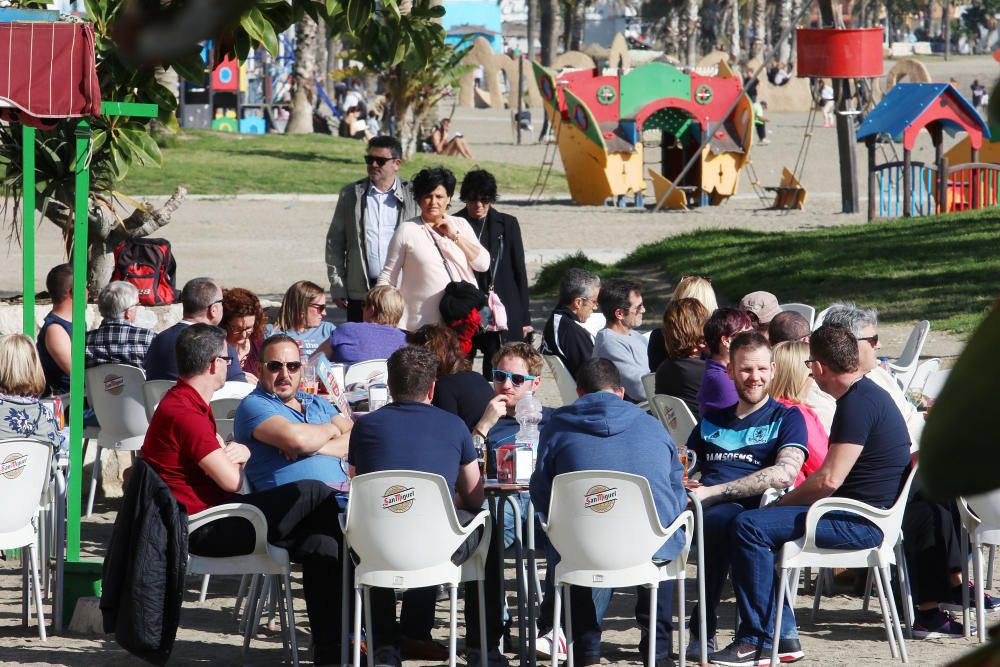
(498, 311)
(461, 297)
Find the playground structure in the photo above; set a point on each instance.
(906, 188)
(600, 120)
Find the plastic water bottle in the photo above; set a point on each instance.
(528, 413)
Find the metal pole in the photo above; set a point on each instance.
(80, 229)
(907, 183)
(871, 178)
(520, 95)
(28, 229)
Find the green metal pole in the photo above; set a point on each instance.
(28, 228)
(80, 233)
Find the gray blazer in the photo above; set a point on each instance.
(346, 255)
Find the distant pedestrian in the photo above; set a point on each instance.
(759, 121)
(826, 98)
(978, 91)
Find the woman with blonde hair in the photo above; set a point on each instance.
(689, 287)
(301, 316)
(377, 337)
(789, 386)
(22, 382)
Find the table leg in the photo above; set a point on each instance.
(532, 570)
(522, 591)
(495, 508)
(57, 597)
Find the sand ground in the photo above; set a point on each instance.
(266, 243)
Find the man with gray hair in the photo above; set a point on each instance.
(202, 300)
(564, 335)
(863, 323)
(118, 340)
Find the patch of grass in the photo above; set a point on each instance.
(945, 269)
(220, 163)
(548, 279)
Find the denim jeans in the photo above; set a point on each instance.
(590, 606)
(718, 522)
(757, 537)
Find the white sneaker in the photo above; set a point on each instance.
(543, 645)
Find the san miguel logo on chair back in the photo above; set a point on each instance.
(600, 498)
(398, 499)
(13, 465)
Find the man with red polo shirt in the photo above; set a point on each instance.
(182, 446)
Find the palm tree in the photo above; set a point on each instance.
(300, 121)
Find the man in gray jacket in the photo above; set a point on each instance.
(366, 216)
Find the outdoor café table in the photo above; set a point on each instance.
(497, 493)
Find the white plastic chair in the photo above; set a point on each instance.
(676, 417)
(611, 544)
(935, 383)
(265, 559)
(649, 386)
(594, 323)
(803, 552)
(564, 379)
(365, 373)
(923, 372)
(803, 309)
(153, 392)
(233, 389)
(27, 465)
(116, 392)
(980, 525)
(224, 427)
(820, 318)
(403, 507)
(904, 367)
(224, 408)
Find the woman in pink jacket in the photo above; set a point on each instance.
(430, 251)
(789, 386)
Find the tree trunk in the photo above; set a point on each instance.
(569, 25)
(734, 31)
(304, 81)
(691, 31)
(549, 15)
(759, 21)
(672, 38)
(946, 27)
(784, 20)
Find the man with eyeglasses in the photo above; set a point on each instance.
(564, 335)
(619, 342)
(201, 471)
(202, 301)
(118, 340)
(863, 324)
(291, 435)
(367, 214)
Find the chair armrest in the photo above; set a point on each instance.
(968, 517)
(480, 520)
(684, 520)
(822, 507)
(238, 510)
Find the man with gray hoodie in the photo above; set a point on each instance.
(601, 431)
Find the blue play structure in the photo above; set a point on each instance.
(906, 188)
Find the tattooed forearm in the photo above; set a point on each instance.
(779, 476)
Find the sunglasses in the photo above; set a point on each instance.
(320, 307)
(872, 340)
(809, 363)
(516, 379)
(376, 160)
(225, 358)
(275, 366)
(479, 200)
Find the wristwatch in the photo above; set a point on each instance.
(478, 441)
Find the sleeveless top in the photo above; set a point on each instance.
(57, 381)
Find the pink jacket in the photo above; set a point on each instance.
(819, 440)
(414, 267)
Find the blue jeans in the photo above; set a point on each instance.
(717, 530)
(757, 537)
(590, 606)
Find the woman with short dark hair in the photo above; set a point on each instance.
(500, 234)
(431, 250)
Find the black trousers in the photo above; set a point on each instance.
(302, 517)
(355, 310)
(417, 615)
(931, 547)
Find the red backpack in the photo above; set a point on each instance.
(149, 265)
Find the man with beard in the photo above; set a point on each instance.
(745, 449)
(291, 435)
(868, 461)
